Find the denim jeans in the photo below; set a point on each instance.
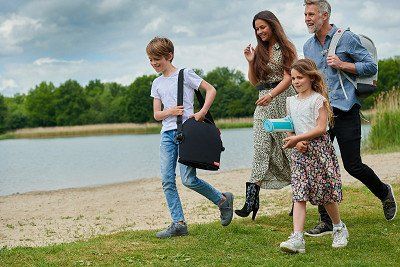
(347, 130)
(168, 161)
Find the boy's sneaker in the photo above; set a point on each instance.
(389, 205)
(322, 228)
(295, 244)
(340, 235)
(226, 209)
(174, 229)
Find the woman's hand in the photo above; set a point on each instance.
(264, 100)
(290, 141)
(302, 146)
(249, 53)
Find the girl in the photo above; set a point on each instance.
(315, 170)
(269, 67)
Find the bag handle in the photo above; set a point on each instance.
(179, 101)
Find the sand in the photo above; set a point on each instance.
(51, 217)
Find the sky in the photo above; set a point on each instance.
(55, 40)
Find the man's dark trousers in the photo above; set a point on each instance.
(347, 130)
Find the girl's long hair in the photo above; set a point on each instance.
(262, 56)
(308, 67)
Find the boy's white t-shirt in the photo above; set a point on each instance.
(166, 89)
(304, 112)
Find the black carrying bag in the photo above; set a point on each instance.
(200, 143)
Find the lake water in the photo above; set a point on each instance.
(47, 164)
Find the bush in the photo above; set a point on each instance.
(385, 131)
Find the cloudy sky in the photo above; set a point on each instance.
(56, 40)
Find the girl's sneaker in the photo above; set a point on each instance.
(295, 244)
(340, 235)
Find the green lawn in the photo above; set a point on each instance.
(373, 241)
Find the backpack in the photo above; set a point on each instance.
(200, 143)
(366, 85)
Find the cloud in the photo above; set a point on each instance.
(48, 61)
(15, 31)
(8, 83)
(379, 14)
(124, 79)
(107, 6)
(153, 25)
(8, 87)
(183, 29)
(57, 71)
(49, 40)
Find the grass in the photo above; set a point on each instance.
(385, 127)
(373, 242)
(111, 129)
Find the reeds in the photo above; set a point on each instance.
(88, 130)
(111, 129)
(385, 130)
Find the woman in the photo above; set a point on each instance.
(269, 72)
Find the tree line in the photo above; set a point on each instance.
(72, 104)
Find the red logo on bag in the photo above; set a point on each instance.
(216, 163)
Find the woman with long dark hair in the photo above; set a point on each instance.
(269, 72)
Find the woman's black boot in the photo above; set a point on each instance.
(252, 203)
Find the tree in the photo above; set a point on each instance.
(388, 78)
(94, 92)
(249, 96)
(389, 74)
(3, 114)
(227, 83)
(16, 115)
(40, 105)
(115, 110)
(139, 104)
(70, 103)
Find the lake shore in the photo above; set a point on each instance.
(51, 217)
(124, 128)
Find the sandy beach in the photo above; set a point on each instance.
(43, 218)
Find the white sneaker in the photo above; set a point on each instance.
(340, 235)
(295, 244)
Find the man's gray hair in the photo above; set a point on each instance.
(323, 5)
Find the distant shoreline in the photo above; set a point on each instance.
(110, 129)
(124, 128)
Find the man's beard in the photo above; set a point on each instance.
(317, 26)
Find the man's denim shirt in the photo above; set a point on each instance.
(349, 49)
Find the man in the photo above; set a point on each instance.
(352, 58)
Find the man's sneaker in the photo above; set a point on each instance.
(340, 235)
(174, 229)
(389, 205)
(319, 230)
(226, 209)
(295, 244)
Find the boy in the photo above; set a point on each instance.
(164, 92)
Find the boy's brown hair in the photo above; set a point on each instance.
(160, 47)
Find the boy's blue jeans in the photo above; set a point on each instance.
(168, 161)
